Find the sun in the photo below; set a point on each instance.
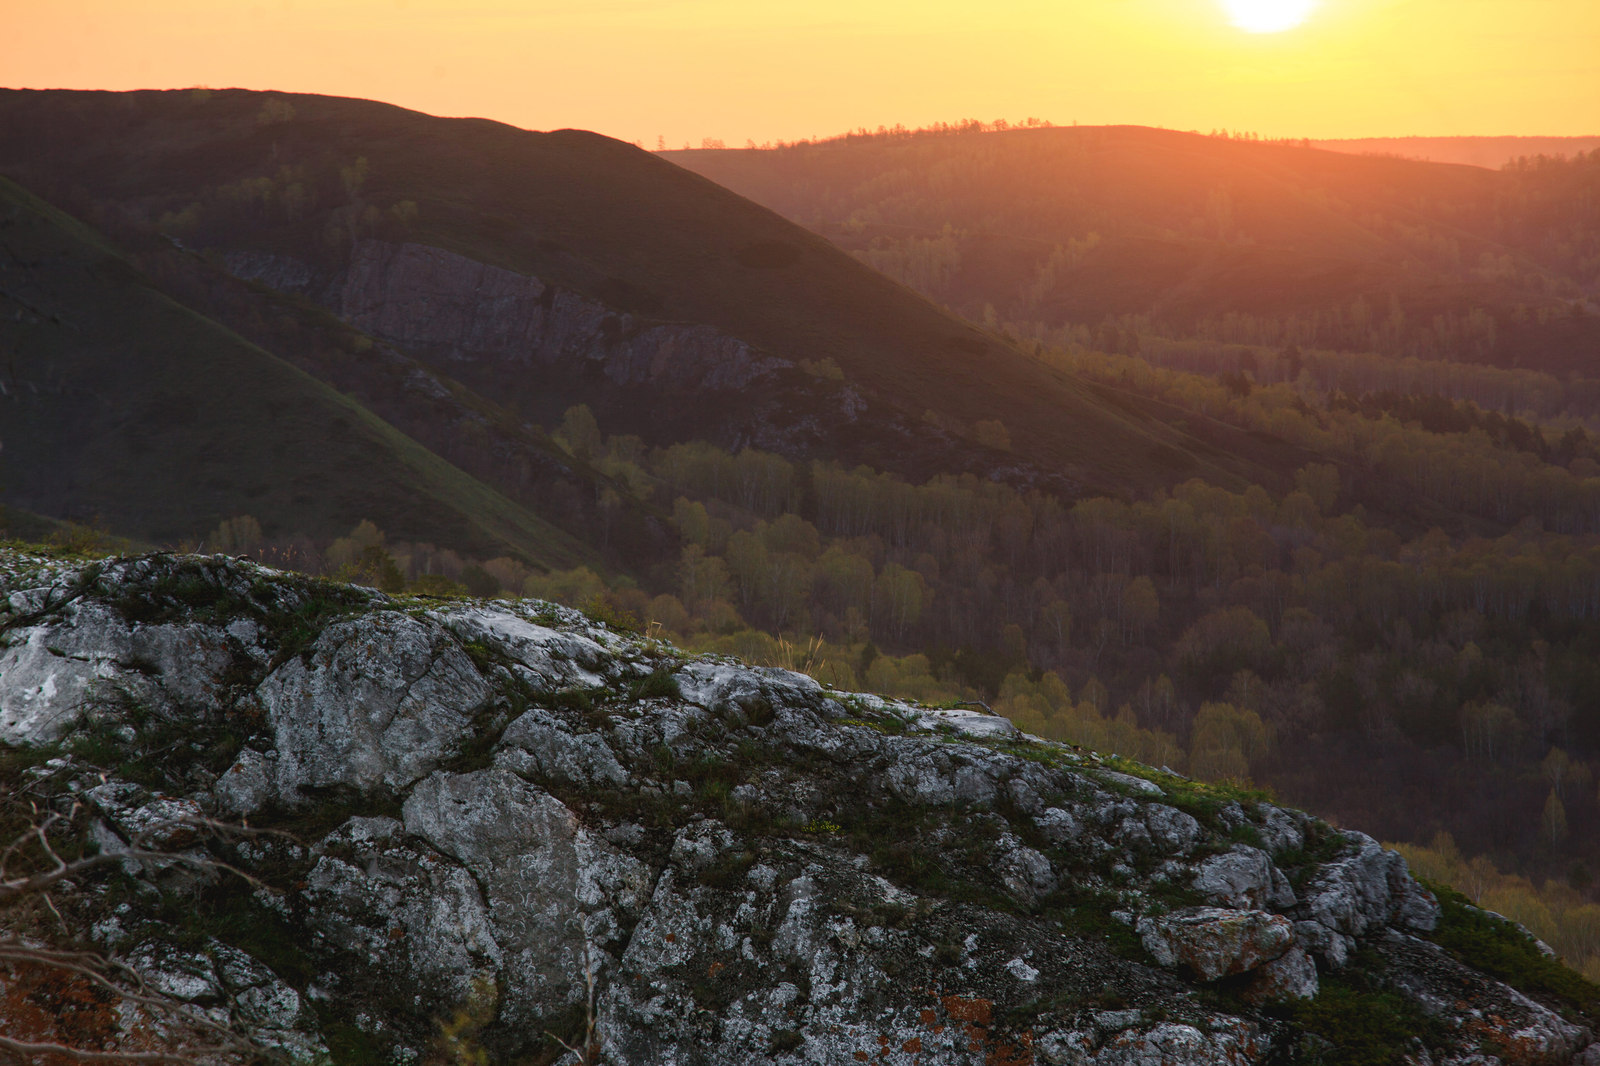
(1268, 16)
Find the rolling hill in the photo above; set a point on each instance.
(1176, 232)
(1491, 152)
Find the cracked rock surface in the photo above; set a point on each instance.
(476, 807)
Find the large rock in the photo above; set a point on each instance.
(436, 301)
(379, 701)
(1243, 877)
(1214, 942)
(481, 805)
(555, 892)
(1368, 888)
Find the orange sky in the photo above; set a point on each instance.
(785, 69)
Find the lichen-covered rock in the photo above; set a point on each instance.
(551, 886)
(472, 809)
(1230, 1043)
(1366, 889)
(1291, 976)
(379, 701)
(1214, 942)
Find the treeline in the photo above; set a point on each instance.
(1530, 394)
(897, 132)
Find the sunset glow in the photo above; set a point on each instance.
(678, 71)
(1268, 16)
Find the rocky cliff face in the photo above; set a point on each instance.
(437, 301)
(484, 804)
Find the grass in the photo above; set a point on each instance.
(159, 751)
(661, 684)
(1496, 946)
(1352, 1025)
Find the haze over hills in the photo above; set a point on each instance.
(1186, 235)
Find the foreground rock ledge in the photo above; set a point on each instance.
(489, 799)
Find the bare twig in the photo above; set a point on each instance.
(202, 1037)
(589, 1052)
(46, 1049)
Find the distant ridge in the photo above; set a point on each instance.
(1490, 152)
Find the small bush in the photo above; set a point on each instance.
(662, 684)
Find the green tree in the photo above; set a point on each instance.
(702, 578)
(1553, 821)
(374, 567)
(579, 432)
(747, 562)
(692, 521)
(236, 536)
(992, 433)
(901, 595)
(1226, 742)
(1320, 481)
(479, 582)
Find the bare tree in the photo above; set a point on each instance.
(75, 1000)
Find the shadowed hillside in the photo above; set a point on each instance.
(122, 405)
(341, 201)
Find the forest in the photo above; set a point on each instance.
(1395, 628)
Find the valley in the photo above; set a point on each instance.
(1268, 473)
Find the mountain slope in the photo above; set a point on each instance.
(123, 405)
(299, 189)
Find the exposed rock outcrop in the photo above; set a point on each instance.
(437, 301)
(489, 801)
(541, 347)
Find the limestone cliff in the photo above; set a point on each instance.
(482, 802)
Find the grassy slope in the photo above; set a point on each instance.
(121, 403)
(625, 226)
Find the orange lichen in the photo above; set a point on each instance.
(44, 1004)
(975, 1011)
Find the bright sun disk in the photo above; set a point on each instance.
(1268, 16)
